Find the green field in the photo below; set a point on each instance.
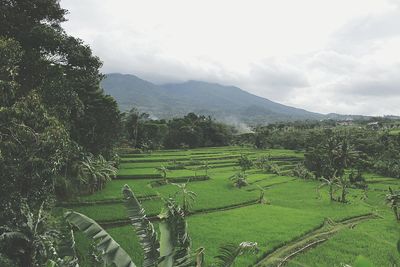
(223, 213)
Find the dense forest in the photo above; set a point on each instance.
(56, 123)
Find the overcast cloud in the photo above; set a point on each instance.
(325, 56)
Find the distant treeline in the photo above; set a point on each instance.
(191, 131)
(377, 144)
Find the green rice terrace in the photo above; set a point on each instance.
(294, 225)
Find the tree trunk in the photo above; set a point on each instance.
(331, 191)
(396, 213)
(343, 194)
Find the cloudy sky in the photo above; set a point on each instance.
(321, 55)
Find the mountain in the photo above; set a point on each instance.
(227, 103)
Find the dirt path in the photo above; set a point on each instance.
(280, 256)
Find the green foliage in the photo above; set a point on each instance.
(111, 251)
(265, 164)
(163, 171)
(144, 229)
(393, 200)
(187, 196)
(30, 241)
(244, 163)
(34, 147)
(331, 157)
(187, 132)
(302, 172)
(96, 171)
(229, 252)
(239, 179)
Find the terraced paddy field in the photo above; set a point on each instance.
(298, 227)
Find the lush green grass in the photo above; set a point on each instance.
(295, 208)
(374, 239)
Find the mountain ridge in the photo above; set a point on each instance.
(226, 103)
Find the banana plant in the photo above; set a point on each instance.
(111, 251)
(188, 196)
(239, 179)
(31, 240)
(230, 251)
(171, 249)
(163, 171)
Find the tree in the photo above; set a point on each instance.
(34, 147)
(331, 157)
(62, 71)
(96, 171)
(245, 163)
(393, 199)
(332, 185)
(265, 163)
(343, 183)
(329, 160)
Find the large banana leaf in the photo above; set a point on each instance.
(175, 241)
(143, 227)
(229, 252)
(112, 253)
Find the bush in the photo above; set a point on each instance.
(302, 172)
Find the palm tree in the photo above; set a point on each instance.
(96, 172)
(188, 197)
(393, 199)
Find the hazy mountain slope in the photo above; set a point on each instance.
(222, 102)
